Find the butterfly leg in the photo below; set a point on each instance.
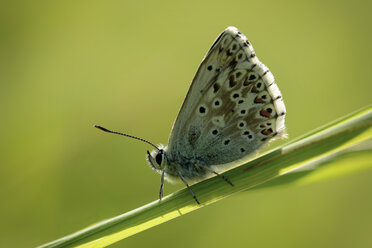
(187, 185)
(161, 185)
(221, 176)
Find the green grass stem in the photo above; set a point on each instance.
(339, 148)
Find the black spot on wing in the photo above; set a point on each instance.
(202, 110)
(216, 87)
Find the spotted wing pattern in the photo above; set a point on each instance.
(232, 108)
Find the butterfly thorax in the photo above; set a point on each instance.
(191, 168)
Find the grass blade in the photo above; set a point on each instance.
(344, 145)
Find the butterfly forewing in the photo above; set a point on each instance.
(232, 108)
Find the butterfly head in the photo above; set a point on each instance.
(157, 159)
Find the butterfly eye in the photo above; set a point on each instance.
(159, 158)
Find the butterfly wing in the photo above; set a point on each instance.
(232, 108)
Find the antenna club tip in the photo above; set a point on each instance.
(101, 128)
(96, 126)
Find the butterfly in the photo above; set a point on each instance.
(233, 108)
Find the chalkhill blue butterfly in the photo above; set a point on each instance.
(233, 108)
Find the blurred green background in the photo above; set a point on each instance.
(127, 65)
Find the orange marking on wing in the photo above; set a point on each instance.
(254, 89)
(258, 100)
(266, 132)
(265, 113)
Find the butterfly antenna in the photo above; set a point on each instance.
(127, 135)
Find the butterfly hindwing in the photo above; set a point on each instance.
(232, 108)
